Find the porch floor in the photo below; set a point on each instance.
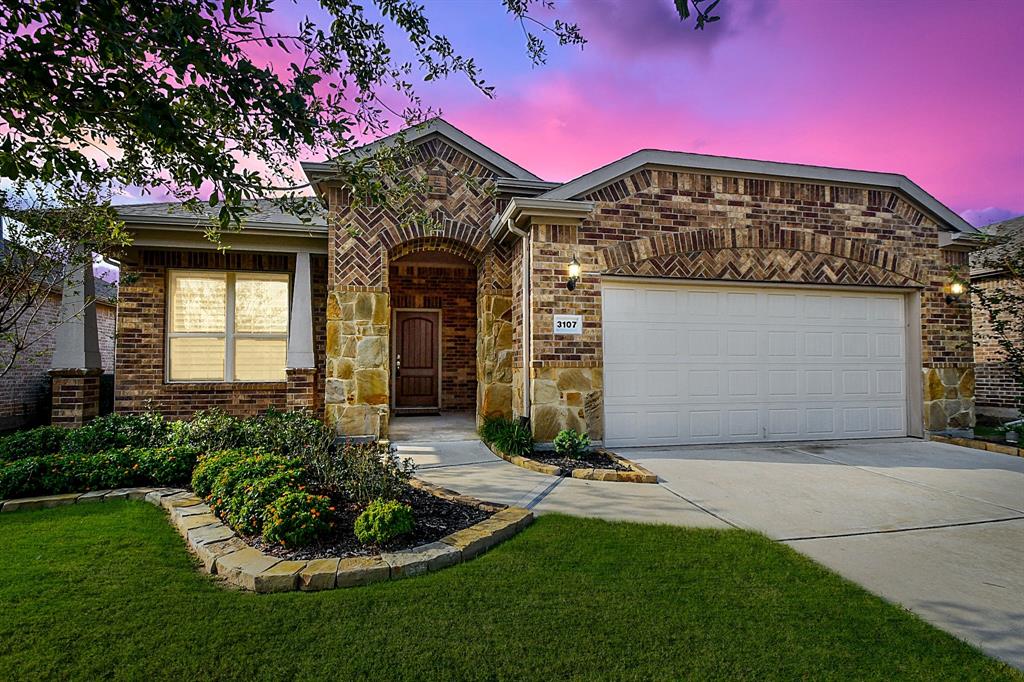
(447, 426)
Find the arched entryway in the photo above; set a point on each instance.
(433, 333)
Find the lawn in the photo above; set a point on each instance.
(108, 591)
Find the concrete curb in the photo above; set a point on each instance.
(636, 473)
(979, 445)
(225, 554)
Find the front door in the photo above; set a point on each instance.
(416, 359)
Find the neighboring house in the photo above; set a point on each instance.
(997, 394)
(718, 300)
(25, 389)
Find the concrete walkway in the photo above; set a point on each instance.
(936, 528)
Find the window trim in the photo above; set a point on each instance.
(229, 334)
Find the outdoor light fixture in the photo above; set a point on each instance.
(574, 274)
(956, 290)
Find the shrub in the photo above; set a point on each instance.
(113, 431)
(296, 518)
(170, 466)
(38, 442)
(291, 434)
(22, 478)
(507, 435)
(208, 431)
(247, 485)
(373, 470)
(569, 443)
(383, 521)
(210, 466)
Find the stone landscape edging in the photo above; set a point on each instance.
(636, 473)
(225, 554)
(979, 445)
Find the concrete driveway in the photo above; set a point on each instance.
(936, 528)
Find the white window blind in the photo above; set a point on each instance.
(227, 326)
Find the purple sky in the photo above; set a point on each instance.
(933, 89)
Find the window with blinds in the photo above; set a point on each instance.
(227, 326)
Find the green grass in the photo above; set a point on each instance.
(108, 591)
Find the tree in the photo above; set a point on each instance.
(1002, 306)
(170, 96)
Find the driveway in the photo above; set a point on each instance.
(936, 528)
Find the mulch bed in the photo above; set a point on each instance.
(590, 460)
(435, 518)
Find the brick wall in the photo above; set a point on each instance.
(658, 223)
(24, 390)
(995, 386)
(453, 291)
(140, 375)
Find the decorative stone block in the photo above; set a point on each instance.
(93, 496)
(241, 567)
(281, 577)
(44, 502)
(210, 552)
(320, 574)
(410, 562)
(361, 571)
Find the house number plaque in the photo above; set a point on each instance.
(569, 324)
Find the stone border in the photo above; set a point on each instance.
(223, 553)
(636, 473)
(979, 445)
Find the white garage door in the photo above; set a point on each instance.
(730, 364)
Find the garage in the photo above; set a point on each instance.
(708, 363)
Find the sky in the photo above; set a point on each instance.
(933, 89)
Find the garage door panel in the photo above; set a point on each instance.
(707, 364)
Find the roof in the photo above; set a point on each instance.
(656, 157)
(266, 214)
(435, 127)
(1006, 237)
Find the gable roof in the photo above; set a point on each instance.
(656, 157)
(435, 127)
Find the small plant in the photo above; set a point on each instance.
(38, 442)
(296, 518)
(210, 466)
(244, 488)
(370, 471)
(507, 435)
(383, 521)
(572, 444)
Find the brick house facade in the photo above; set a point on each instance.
(658, 226)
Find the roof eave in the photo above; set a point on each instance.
(521, 212)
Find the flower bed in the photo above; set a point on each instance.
(572, 456)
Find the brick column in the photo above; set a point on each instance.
(76, 396)
(76, 365)
(300, 393)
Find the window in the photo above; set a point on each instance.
(227, 326)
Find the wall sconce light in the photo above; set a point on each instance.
(955, 291)
(574, 274)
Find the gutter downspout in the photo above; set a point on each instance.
(527, 336)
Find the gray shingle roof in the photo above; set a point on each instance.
(266, 213)
(1008, 236)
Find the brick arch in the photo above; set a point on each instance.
(822, 254)
(441, 233)
(436, 243)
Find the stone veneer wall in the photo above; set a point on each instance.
(672, 224)
(141, 322)
(995, 385)
(362, 243)
(495, 354)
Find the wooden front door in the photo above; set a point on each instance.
(416, 359)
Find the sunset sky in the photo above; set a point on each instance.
(933, 89)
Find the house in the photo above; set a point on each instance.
(712, 300)
(998, 394)
(25, 388)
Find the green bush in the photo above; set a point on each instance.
(369, 471)
(297, 518)
(113, 431)
(383, 521)
(291, 434)
(71, 473)
(244, 488)
(210, 466)
(208, 431)
(38, 442)
(507, 435)
(569, 443)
